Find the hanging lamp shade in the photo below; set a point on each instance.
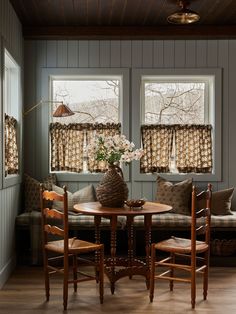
(184, 15)
(63, 111)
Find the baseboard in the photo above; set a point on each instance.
(6, 271)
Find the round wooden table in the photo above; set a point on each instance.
(130, 265)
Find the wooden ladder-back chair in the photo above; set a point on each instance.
(190, 255)
(55, 223)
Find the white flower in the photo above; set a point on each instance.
(113, 149)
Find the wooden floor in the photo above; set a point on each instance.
(24, 293)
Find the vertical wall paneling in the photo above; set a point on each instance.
(73, 51)
(223, 62)
(137, 54)
(148, 54)
(190, 53)
(126, 54)
(62, 52)
(136, 190)
(94, 54)
(1, 119)
(201, 50)
(44, 56)
(52, 54)
(105, 54)
(30, 119)
(169, 54)
(158, 53)
(11, 33)
(180, 54)
(147, 191)
(212, 53)
(83, 54)
(232, 113)
(115, 54)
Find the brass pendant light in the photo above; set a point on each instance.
(184, 15)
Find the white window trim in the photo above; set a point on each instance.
(215, 114)
(14, 179)
(47, 74)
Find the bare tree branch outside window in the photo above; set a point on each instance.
(93, 101)
(174, 103)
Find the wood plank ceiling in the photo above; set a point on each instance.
(123, 19)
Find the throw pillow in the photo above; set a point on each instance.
(221, 202)
(32, 191)
(87, 194)
(177, 195)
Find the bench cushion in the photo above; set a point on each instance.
(172, 220)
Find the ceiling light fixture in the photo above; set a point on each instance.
(184, 15)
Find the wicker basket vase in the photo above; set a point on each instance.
(112, 190)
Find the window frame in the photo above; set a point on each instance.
(14, 179)
(46, 94)
(214, 118)
(174, 79)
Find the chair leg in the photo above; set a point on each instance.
(193, 288)
(205, 276)
(75, 267)
(152, 271)
(101, 274)
(46, 274)
(65, 282)
(172, 272)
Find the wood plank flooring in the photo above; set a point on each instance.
(24, 293)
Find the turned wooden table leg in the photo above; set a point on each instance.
(130, 220)
(97, 222)
(113, 252)
(148, 224)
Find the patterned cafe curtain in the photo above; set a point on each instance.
(190, 144)
(11, 149)
(193, 145)
(157, 146)
(108, 129)
(67, 147)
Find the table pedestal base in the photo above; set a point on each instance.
(121, 269)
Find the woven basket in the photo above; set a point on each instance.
(223, 247)
(112, 190)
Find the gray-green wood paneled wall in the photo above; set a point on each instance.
(11, 34)
(133, 54)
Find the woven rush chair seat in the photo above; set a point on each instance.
(180, 245)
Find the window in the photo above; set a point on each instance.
(95, 102)
(177, 117)
(176, 101)
(11, 100)
(99, 100)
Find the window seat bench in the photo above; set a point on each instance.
(163, 225)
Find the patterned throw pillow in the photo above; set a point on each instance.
(32, 191)
(177, 195)
(87, 194)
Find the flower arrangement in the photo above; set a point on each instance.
(113, 149)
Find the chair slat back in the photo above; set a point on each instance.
(201, 217)
(54, 222)
(53, 213)
(54, 230)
